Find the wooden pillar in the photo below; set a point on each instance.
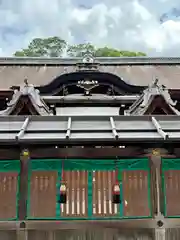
(156, 164)
(51, 235)
(158, 214)
(22, 234)
(22, 210)
(160, 234)
(155, 157)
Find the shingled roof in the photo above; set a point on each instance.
(27, 96)
(135, 71)
(154, 97)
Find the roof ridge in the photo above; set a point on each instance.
(100, 60)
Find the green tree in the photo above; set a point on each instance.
(43, 47)
(79, 49)
(107, 52)
(54, 47)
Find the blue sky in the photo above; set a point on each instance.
(124, 24)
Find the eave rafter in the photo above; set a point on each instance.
(113, 126)
(68, 132)
(85, 129)
(23, 128)
(159, 129)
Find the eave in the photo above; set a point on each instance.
(89, 129)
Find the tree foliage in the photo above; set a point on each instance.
(111, 52)
(43, 47)
(79, 49)
(55, 46)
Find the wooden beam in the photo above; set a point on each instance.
(170, 223)
(73, 152)
(9, 225)
(96, 224)
(9, 153)
(86, 152)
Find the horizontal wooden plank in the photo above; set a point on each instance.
(87, 152)
(84, 224)
(95, 224)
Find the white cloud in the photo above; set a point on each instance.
(125, 24)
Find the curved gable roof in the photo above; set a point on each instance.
(27, 96)
(105, 78)
(153, 97)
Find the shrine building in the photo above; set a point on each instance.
(90, 148)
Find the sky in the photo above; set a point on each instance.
(124, 24)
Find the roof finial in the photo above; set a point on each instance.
(157, 89)
(156, 82)
(26, 82)
(87, 56)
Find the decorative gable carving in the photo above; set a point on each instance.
(87, 63)
(87, 85)
(154, 100)
(27, 99)
(88, 58)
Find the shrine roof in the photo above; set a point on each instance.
(138, 71)
(33, 99)
(147, 101)
(81, 129)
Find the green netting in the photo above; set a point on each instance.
(10, 166)
(89, 164)
(170, 164)
(45, 164)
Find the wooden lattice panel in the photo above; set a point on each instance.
(43, 194)
(135, 193)
(8, 195)
(102, 193)
(77, 187)
(172, 190)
